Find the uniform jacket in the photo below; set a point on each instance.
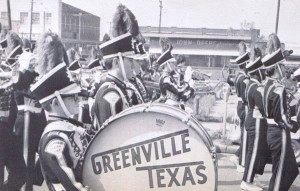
(61, 156)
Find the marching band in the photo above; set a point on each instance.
(45, 102)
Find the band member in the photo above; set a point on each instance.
(256, 130)
(240, 85)
(63, 141)
(31, 119)
(114, 91)
(276, 110)
(8, 153)
(140, 59)
(172, 92)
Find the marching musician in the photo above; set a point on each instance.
(241, 81)
(256, 128)
(171, 91)
(276, 110)
(115, 92)
(63, 141)
(9, 155)
(112, 95)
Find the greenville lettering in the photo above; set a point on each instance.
(145, 151)
(161, 176)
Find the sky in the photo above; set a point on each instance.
(205, 14)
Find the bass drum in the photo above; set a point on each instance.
(151, 147)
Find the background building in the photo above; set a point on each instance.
(201, 46)
(73, 25)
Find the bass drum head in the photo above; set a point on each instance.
(151, 148)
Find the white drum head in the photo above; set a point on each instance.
(150, 151)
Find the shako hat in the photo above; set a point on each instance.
(242, 59)
(3, 43)
(272, 59)
(165, 57)
(74, 66)
(12, 57)
(94, 63)
(54, 83)
(255, 65)
(121, 44)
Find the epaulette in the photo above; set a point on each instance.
(279, 88)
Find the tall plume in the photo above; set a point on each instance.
(13, 40)
(165, 44)
(124, 21)
(50, 52)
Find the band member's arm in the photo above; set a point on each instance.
(173, 87)
(281, 101)
(259, 105)
(243, 89)
(188, 93)
(56, 152)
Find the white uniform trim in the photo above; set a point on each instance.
(254, 153)
(281, 161)
(244, 148)
(29, 108)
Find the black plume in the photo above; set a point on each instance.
(124, 22)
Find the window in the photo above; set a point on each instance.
(35, 18)
(4, 15)
(65, 21)
(70, 23)
(23, 17)
(48, 18)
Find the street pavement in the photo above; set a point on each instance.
(229, 179)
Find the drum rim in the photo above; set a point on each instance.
(146, 107)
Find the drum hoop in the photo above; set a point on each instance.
(192, 123)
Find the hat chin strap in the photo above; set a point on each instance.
(279, 68)
(122, 66)
(62, 104)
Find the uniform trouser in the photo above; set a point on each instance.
(242, 115)
(36, 127)
(9, 157)
(284, 170)
(257, 150)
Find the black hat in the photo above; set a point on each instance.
(297, 75)
(94, 63)
(255, 65)
(3, 43)
(122, 44)
(74, 66)
(272, 59)
(166, 56)
(11, 58)
(54, 82)
(242, 59)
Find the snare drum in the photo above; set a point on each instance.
(151, 147)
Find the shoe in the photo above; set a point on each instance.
(240, 168)
(235, 160)
(258, 183)
(250, 186)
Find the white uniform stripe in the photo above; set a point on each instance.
(266, 101)
(244, 141)
(281, 161)
(254, 153)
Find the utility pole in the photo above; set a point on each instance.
(277, 18)
(9, 14)
(160, 6)
(31, 20)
